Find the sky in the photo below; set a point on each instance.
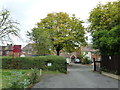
(29, 12)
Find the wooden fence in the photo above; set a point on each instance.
(111, 63)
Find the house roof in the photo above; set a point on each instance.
(64, 55)
(88, 49)
(8, 47)
(27, 47)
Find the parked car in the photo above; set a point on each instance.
(77, 60)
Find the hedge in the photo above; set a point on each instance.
(39, 62)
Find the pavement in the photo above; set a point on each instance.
(79, 76)
(111, 75)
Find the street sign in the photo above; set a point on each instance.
(17, 48)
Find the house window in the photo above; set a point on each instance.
(29, 52)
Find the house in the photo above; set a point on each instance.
(86, 51)
(28, 50)
(70, 55)
(91, 53)
(6, 50)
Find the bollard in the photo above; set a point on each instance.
(40, 72)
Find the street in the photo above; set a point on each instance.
(79, 76)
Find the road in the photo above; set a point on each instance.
(79, 76)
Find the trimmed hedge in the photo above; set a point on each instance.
(39, 62)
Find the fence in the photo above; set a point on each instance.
(111, 63)
(108, 64)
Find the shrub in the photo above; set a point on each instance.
(39, 62)
(86, 61)
(34, 76)
(18, 79)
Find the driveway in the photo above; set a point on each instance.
(79, 76)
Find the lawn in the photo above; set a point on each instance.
(26, 77)
(0, 79)
(21, 78)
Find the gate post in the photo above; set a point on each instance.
(100, 67)
(94, 64)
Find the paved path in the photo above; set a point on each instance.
(79, 76)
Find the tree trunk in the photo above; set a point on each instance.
(58, 52)
(58, 48)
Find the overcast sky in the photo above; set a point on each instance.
(29, 12)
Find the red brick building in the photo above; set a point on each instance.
(28, 50)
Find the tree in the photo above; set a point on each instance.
(62, 31)
(42, 43)
(7, 25)
(105, 27)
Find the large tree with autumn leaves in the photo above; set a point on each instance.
(58, 31)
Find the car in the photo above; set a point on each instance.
(77, 60)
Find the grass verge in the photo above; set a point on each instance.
(0, 79)
(21, 78)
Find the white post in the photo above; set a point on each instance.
(40, 72)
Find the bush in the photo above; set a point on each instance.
(18, 79)
(39, 62)
(86, 61)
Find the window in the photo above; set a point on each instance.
(29, 52)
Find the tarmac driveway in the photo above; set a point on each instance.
(79, 76)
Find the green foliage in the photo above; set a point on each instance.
(105, 27)
(17, 79)
(40, 62)
(86, 60)
(21, 79)
(107, 41)
(58, 31)
(34, 77)
(83, 55)
(42, 43)
(105, 17)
